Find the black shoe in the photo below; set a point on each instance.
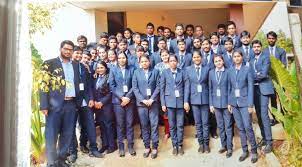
(181, 150)
(175, 151)
(254, 158)
(268, 148)
(207, 149)
(195, 135)
(229, 153)
(273, 122)
(96, 154)
(261, 143)
(201, 149)
(214, 134)
(84, 149)
(72, 158)
(131, 151)
(146, 153)
(121, 152)
(103, 149)
(154, 154)
(61, 163)
(243, 156)
(222, 150)
(110, 150)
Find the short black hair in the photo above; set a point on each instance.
(245, 33)
(214, 34)
(180, 40)
(167, 28)
(206, 39)
(86, 52)
(272, 33)
(77, 48)
(145, 40)
(179, 25)
(139, 48)
(135, 34)
(150, 25)
(82, 37)
(128, 29)
(173, 55)
(124, 40)
(200, 26)
(197, 51)
(104, 35)
(160, 28)
(256, 41)
(228, 23)
(66, 42)
(229, 39)
(161, 39)
(112, 37)
(221, 26)
(189, 26)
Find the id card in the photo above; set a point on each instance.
(237, 92)
(218, 93)
(247, 64)
(81, 85)
(176, 93)
(148, 92)
(125, 88)
(199, 88)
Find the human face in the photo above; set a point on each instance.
(85, 59)
(173, 63)
(77, 55)
(181, 46)
(82, 43)
(127, 34)
(167, 33)
(119, 37)
(257, 48)
(196, 58)
(103, 41)
(139, 53)
(145, 63)
(218, 62)
(161, 45)
(145, 45)
(100, 69)
(66, 51)
(122, 60)
(197, 43)
(245, 40)
(228, 46)
(103, 54)
(214, 40)
(221, 31)
(206, 47)
(237, 58)
(160, 32)
(111, 56)
(150, 30)
(190, 31)
(164, 57)
(122, 46)
(137, 39)
(93, 54)
(112, 44)
(271, 40)
(231, 30)
(198, 31)
(179, 31)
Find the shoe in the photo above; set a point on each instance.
(175, 150)
(254, 158)
(96, 154)
(207, 149)
(146, 153)
(154, 153)
(72, 158)
(268, 148)
(181, 150)
(131, 151)
(222, 150)
(103, 149)
(261, 143)
(229, 153)
(84, 149)
(121, 152)
(62, 163)
(243, 156)
(273, 122)
(111, 150)
(201, 149)
(214, 134)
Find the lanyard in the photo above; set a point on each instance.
(218, 78)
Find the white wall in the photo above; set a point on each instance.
(68, 23)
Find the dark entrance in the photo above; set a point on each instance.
(116, 22)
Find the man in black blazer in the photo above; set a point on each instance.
(152, 39)
(59, 105)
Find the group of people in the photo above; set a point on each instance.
(128, 77)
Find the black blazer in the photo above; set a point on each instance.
(155, 47)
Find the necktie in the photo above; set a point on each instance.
(198, 72)
(218, 74)
(98, 83)
(207, 57)
(247, 51)
(146, 75)
(181, 59)
(272, 50)
(150, 44)
(174, 75)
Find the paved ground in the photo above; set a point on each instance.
(191, 158)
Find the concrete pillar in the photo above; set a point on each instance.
(236, 15)
(295, 28)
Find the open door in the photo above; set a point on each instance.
(116, 22)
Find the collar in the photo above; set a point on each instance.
(150, 36)
(257, 56)
(197, 66)
(274, 47)
(216, 69)
(61, 60)
(238, 68)
(173, 71)
(181, 37)
(180, 53)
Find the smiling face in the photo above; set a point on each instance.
(103, 54)
(214, 39)
(77, 55)
(111, 56)
(218, 62)
(197, 60)
(179, 30)
(206, 46)
(228, 46)
(100, 69)
(66, 51)
(165, 56)
(237, 58)
(245, 40)
(122, 59)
